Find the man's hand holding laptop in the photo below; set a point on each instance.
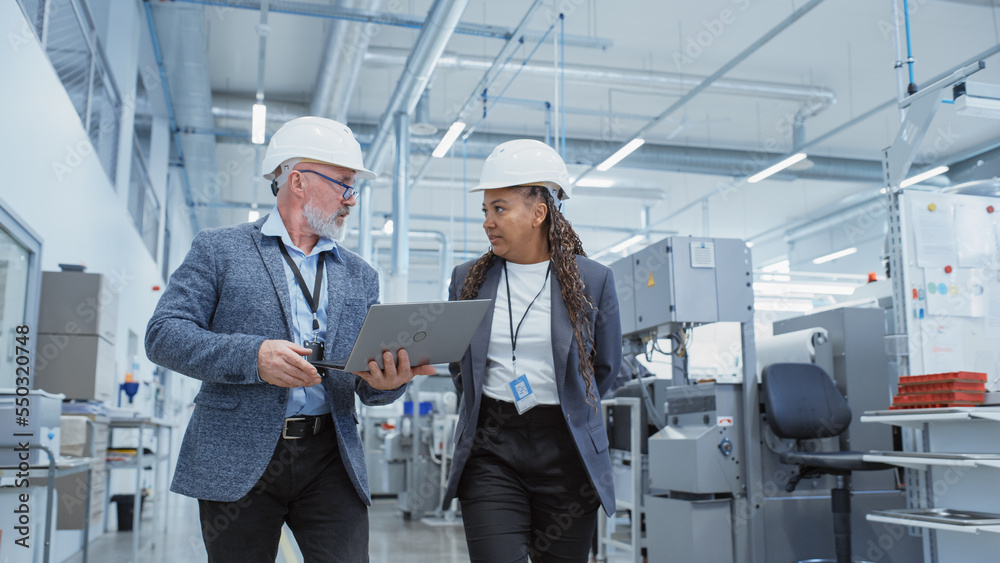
(396, 373)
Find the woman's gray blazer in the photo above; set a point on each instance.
(585, 424)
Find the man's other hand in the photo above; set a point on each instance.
(396, 374)
(281, 363)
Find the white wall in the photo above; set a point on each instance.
(55, 182)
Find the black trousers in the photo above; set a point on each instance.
(524, 490)
(305, 485)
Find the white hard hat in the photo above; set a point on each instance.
(316, 139)
(525, 161)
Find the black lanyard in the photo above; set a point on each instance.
(510, 309)
(312, 299)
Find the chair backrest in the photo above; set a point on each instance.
(803, 402)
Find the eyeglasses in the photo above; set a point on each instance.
(349, 191)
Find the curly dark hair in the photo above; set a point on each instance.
(564, 244)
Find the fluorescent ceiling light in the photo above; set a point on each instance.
(627, 243)
(622, 153)
(387, 228)
(253, 215)
(449, 139)
(776, 267)
(767, 288)
(749, 244)
(923, 176)
(257, 124)
(776, 168)
(834, 255)
(594, 183)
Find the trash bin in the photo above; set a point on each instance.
(126, 507)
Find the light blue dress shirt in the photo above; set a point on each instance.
(303, 400)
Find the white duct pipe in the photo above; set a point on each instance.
(346, 45)
(438, 29)
(602, 76)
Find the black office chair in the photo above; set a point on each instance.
(803, 403)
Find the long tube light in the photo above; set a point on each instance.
(258, 118)
(774, 169)
(923, 176)
(449, 139)
(834, 255)
(620, 154)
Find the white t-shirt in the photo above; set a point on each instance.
(534, 339)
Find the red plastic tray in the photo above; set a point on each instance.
(938, 377)
(975, 398)
(976, 386)
(931, 406)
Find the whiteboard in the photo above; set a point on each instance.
(951, 272)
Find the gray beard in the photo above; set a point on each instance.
(325, 227)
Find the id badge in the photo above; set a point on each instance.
(524, 397)
(316, 353)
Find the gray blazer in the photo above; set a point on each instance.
(586, 425)
(228, 296)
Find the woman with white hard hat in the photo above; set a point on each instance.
(531, 464)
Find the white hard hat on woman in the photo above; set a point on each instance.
(311, 139)
(525, 162)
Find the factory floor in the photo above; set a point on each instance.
(393, 539)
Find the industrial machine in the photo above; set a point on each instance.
(409, 455)
(716, 490)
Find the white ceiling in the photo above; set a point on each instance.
(842, 45)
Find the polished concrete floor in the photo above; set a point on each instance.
(393, 539)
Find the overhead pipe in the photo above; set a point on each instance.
(672, 158)
(437, 30)
(445, 251)
(400, 212)
(188, 196)
(346, 44)
(897, 48)
(602, 76)
(912, 87)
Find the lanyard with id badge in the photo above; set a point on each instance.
(315, 345)
(524, 396)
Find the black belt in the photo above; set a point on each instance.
(302, 426)
(506, 414)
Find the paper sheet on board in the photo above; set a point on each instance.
(935, 234)
(942, 345)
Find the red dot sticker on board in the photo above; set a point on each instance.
(947, 269)
(989, 209)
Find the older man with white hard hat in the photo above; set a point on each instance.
(271, 441)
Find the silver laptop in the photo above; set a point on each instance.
(432, 332)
